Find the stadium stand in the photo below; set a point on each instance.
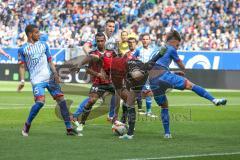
(204, 25)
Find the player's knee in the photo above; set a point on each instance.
(40, 99)
(164, 105)
(124, 96)
(59, 99)
(188, 85)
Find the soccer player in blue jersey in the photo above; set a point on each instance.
(35, 56)
(163, 77)
(144, 54)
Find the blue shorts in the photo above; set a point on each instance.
(53, 88)
(176, 81)
(161, 83)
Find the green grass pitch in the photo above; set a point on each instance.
(200, 130)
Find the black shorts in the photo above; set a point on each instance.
(100, 89)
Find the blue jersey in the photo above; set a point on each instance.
(36, 57)
(166, 60)
(145, 54)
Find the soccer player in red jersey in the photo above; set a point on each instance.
(99, 61)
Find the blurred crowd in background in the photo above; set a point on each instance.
(204, 24)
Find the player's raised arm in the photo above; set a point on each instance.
(85, 61)
(101, 74)
(5, 54)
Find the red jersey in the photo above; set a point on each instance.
(119, 63)
(119, 69)
(104, 63)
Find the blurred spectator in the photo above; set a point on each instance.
(204, 24)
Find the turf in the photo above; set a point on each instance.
(198, 128)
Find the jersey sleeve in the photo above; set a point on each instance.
(21, 58)
(48, 53)
(175, 56)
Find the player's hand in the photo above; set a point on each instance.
(8, 56)
(56, 77)
(20, 86)
(180, 73)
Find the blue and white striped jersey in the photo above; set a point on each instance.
(145, 54)
(36, 57)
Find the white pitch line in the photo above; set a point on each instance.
(188, 156)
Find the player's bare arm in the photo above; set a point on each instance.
(101, 74)
(5, 54)
(21, 74)
(85, 61)
(55, 73)
(182, 67)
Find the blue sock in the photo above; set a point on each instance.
(80, 108)
(34, 111)
(112, 107)
(148, 103)
(165, 120)
(202, 92)
(65, 113)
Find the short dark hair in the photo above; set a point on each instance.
(132, 38)
(174, 35)
(100, 34)
(145, 34)
(110, 21)
(30, 28)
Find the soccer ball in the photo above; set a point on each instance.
(119, 130)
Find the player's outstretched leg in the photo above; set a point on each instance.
(80, 109)
(34, 111)
(88, 107)
(203, 93)
(79, 127)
